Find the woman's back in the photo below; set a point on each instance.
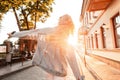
(63, 30)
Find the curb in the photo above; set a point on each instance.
(15, 70)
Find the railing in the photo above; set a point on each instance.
(2, 58)
(2, 55)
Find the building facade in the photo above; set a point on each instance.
(101, 18)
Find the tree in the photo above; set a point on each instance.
(0, 27)
(27, 12)
(0, 17)
(6, 5)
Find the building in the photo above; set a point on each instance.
(101, 18)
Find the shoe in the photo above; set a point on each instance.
(81, 78)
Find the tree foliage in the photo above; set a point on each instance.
(27, 12)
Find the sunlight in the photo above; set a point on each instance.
(72, 40)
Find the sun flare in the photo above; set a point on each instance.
(72, 40)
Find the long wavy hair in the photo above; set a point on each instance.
(66, 24)
(63, 30)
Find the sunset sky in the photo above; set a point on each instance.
(61, 7)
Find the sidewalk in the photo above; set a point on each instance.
(14, 67)
(101, 70)
(84, 70)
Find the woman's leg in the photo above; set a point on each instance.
(71, 58)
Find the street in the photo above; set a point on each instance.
(36, 73)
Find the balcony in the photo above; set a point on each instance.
(95, 5)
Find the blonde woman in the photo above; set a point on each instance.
(58, 52)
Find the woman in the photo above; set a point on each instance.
(8, 52)
(57, 40)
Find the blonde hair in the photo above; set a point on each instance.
(65, 22)
(63, 30)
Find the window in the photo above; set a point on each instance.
(92, 43)
(103, 37)
(116, 22)
(96, 39)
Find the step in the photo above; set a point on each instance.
(101, 69)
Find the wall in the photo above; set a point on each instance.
(112, 10)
